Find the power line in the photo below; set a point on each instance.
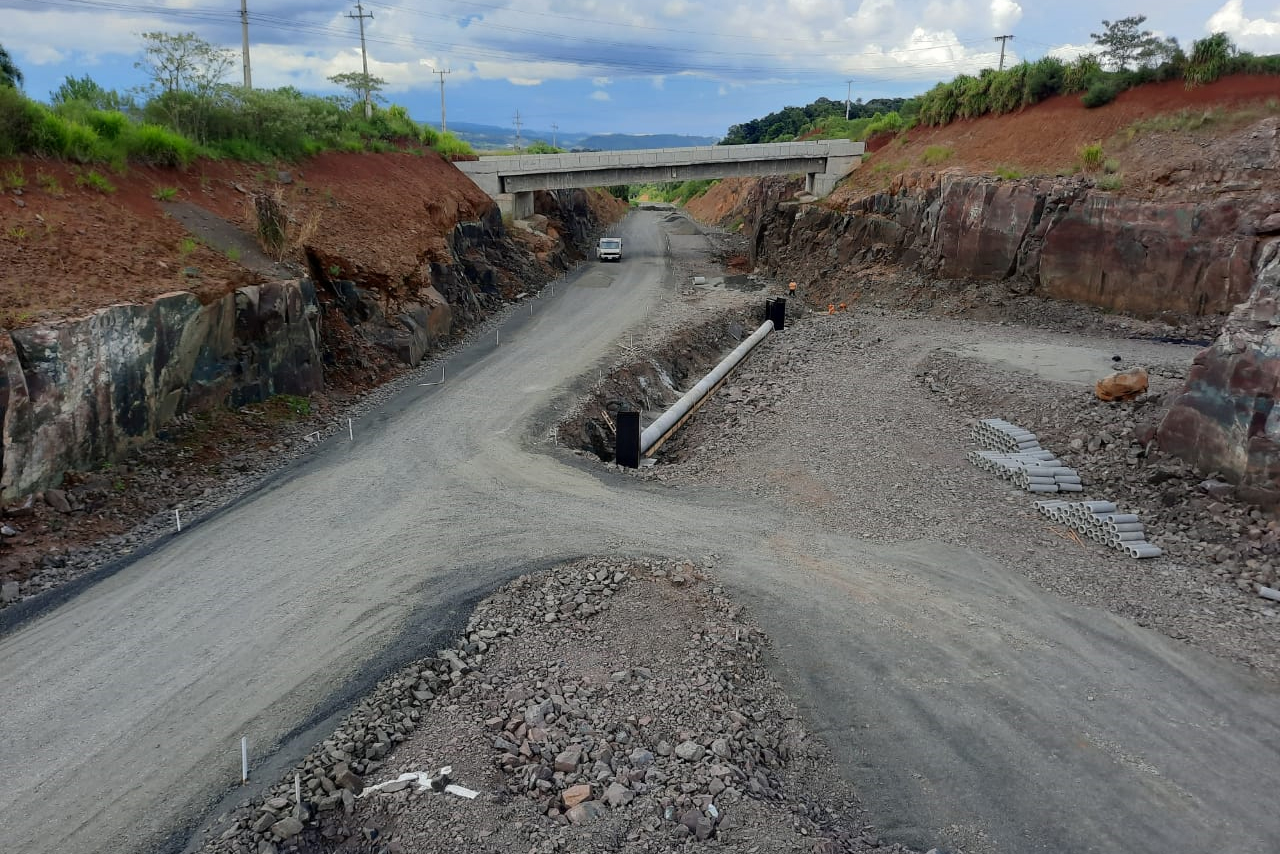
(608, 61)
(1003, 41)
(244, 28)
(443, 128)
(364, 56)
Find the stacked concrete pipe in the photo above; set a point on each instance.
(1015, 455)
(1101, 522)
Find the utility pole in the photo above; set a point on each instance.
(554, 127)
(443, 128)
(364, 54)
(244, 31)
(518, 124)
(1003, 40)
(848, 98)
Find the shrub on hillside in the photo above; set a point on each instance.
(1077, 76)
(449, 146)
(1103, 90)
(1006, 92)
(939, 106)
(1043, 79)
(1210, 58)
(971, 93)
(19, 118)
(159, 146)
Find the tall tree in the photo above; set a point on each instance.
(186, 72)
(88, 90)
(10, 74)
(358, 83)
(1124, 43)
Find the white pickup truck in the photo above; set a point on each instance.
(609, 249)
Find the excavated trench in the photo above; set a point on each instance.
(651, 381)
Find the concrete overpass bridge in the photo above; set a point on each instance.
(513, 180)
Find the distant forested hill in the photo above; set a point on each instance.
(630, 142)
(790, 122)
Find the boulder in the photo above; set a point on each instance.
(1122, 385)
(1225, 419)
(585, 812)
(575, 795)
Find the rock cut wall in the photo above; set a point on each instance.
(1226, 419)
(87, 390)
(76, 393)
(1059, 238)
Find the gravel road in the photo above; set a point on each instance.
(969, 704)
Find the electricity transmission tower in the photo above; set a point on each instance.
(847, 100)
(518, 123)
(364, 55)
(1003, 40)
(443, 128)
(244, 31)
(554, 127)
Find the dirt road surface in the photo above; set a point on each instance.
(968, 704)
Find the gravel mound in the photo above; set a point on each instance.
(606, 705)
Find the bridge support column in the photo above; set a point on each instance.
(516, 205)
(821, 184)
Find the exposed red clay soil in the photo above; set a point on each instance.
(67, 249)
(1046, 138)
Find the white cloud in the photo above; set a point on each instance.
(600, 81)
(42, 54)
(675, 8)
(1069, 52)
(1256, 34)
(1004, 14)
(600, 95)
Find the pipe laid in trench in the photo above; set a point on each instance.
(668, 422)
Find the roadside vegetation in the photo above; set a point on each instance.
(187, 110)
(676, 193)
(1127, 56)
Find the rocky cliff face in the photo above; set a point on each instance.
(1226, 420)
(83, 391)
(1057, 237)
(88, 390)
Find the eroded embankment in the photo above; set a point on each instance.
(144, 407)
(77, 393)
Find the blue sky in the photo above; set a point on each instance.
(662, 66)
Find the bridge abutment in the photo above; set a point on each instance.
(515, 205)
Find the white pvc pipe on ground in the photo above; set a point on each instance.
(682, 407)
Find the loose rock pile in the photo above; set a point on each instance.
(602, 706)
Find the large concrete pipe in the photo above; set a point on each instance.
(628, 452)
(668, 422)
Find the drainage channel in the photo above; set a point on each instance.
(632, 442)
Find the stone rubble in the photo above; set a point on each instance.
(606, 705)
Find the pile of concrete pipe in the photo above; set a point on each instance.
(1100, 522)
(1015, 455)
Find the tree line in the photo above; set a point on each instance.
(1127, 55)
(187, 109)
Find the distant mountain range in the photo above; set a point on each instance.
(488, 137)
